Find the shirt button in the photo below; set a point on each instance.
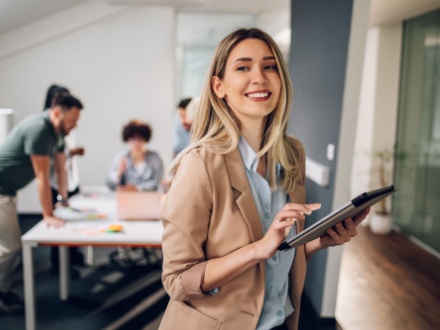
(270, 284)
(267, 216)
(279, 313)
(213, 292)
(275, 258)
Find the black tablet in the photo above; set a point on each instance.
(355, 206)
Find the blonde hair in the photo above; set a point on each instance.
(215, 127)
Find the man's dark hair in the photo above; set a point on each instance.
(52, 91)
(66, 102)
(136, 128)
(183, 103)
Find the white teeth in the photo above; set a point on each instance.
(258, 95)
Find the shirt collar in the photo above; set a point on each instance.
(248, 155)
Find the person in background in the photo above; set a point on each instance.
(76, 257)
(181, 127)
(191, 111)
(237, 193)
(134, 169)
(25, 155)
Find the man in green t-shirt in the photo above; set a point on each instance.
(25, 155)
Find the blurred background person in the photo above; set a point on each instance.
(191, 111)
(135, 169)
(181, 127)
(25, 155)
(70, 150)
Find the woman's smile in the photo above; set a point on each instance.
(259, 96)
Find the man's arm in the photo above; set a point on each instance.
(41, 169)
(61, 173)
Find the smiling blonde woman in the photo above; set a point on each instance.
(237, 193)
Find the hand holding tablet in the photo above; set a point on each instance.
(351, 209)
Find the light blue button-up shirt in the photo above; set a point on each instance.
(277, 305)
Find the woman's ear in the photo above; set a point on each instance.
(217, 86)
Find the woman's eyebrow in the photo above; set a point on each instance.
(243, 59)
(249, 59)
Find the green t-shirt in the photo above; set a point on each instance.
(34, 135)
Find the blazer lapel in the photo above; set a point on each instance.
(244, 197)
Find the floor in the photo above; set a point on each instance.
(105, 297)
(388, 282)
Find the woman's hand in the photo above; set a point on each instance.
(279, 229)
(343, 232)
(122, 167)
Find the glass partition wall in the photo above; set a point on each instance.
(417, 169)
(197, 36)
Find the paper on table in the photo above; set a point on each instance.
(69, 214)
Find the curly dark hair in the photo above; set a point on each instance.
(136, 128)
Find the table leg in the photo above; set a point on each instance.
(89, 255)
(29, 291)
(64, 272)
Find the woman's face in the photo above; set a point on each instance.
(136, 143)
(251, 84)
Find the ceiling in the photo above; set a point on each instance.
(16, 13)
(387, 12)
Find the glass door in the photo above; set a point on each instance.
(417, 167)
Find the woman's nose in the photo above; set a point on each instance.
(259, 77)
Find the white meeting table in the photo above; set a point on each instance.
(90, 232)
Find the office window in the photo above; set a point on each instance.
(417, 167)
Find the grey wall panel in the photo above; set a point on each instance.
(317, 64)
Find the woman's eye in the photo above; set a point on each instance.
(271, 67)
(242, 68)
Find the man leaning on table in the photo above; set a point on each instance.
(25, 155)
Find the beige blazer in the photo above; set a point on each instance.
(210, 212)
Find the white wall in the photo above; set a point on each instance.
(360, 181)
(119, 61)
(377, 120)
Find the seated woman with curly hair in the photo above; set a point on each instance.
(134, 169)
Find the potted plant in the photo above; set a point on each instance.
(381, 221)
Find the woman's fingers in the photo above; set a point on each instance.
(284, 222)
(303, 208)
(296, 210)
(343, 231)
(283, 215)
(336, 239)
(350, 226)
(357, 219)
